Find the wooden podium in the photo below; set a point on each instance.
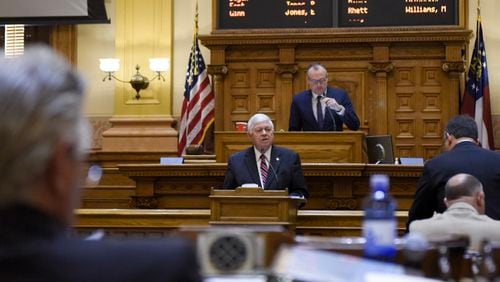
(254, 206)
(313, 147)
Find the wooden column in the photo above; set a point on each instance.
(63, 38)
(454, 66)
(286, 69)
(381, 66)
(218, 73)
(285, 86)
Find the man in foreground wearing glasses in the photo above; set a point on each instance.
(44, 138)
(265, 165)
(321, 108)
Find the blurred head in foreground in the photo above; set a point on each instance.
(43, 133)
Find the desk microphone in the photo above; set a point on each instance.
(328, 110)
(274, 172)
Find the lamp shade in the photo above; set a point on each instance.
(109, 64)
(159, 64)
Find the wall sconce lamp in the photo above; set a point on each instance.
(138, 81)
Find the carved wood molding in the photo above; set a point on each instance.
(141, 202)
(286, 69)
(453, 67)
(403, 172)
(380, 67)
(349, 204)
(217, 70)
(339, 36)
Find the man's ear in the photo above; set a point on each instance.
(57, 167)
(445, 201)
(479, 198)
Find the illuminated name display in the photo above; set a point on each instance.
(262, 14)
(359, 13)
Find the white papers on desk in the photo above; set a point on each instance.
(320, 266)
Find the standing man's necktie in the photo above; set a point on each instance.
(264, 169)
(319, 112)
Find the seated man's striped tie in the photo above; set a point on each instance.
(264, 169)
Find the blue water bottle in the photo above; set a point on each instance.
(379, 224)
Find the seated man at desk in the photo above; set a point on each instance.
(465, 213)
(321, 108)
(264, 164)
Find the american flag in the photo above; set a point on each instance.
(476, 99)
(199, 100)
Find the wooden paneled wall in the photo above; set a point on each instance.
(402, 81)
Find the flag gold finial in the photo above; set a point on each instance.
(479, 10)
(194, 48)
(196, 20)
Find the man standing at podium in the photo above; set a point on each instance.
(321, 108)
(264, 164)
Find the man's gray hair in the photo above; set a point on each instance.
(41, 98)
(316, 67)
(258, 118)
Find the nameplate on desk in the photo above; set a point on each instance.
(411, 161)
(250, 185)
(171, 160)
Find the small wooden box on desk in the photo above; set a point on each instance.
(255, 206)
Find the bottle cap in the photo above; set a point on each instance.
(379, 182)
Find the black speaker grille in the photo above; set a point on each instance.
(228, 253)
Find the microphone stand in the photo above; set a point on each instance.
(274, 173)
(331, 115)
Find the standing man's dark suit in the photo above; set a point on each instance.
(302, 116)
(465, 157)
(286, 171)
(34, 247)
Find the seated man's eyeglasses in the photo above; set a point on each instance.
(318, 81)
(263, 129)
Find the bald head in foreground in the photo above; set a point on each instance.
(44, 138)
(465, 200)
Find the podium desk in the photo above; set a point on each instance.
(331, 186)
(313, 147)
(255, 206)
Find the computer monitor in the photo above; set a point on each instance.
(379, 149)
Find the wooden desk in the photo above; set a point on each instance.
(157, 223)
(331, 186)
(327, 147)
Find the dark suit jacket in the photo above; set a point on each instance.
(33, 247)
(285, 171)
(302, 116)
(465, 157)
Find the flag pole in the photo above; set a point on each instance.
(194, 65)
(478, 20)
(195, 39)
